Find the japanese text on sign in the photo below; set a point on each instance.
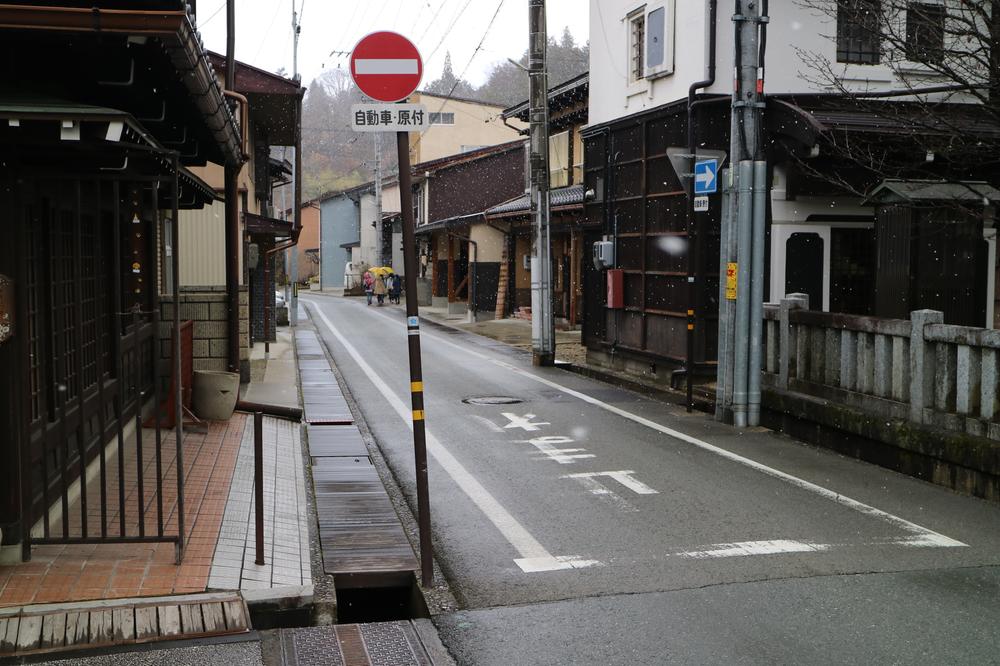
(732, 275)
(388, 117)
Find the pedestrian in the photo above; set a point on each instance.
(379, 289)
(395, 288)
(369, 283)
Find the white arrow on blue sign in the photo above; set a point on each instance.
(705, 177)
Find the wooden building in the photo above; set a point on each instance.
(101, 111)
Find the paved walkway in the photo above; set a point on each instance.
(110, 571)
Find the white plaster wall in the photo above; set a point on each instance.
(793, 29)
(367, 249)
(490, 242)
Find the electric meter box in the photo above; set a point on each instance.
(604, 254)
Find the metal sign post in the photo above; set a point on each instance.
(387, 67)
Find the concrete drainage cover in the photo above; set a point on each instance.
(492, 400)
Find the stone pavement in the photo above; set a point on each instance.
(286, 533)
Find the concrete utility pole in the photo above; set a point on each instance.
(378, 200)
(293, 263)
(543, 338)
(743, 234)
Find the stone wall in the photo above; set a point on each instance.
(207, 307)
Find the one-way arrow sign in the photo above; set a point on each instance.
(705, 180)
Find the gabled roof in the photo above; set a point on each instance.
(917, 192)
(563, 95)
(460, 158)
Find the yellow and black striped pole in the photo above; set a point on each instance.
(416, 372)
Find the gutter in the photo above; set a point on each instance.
(695, 242)
(180, 40)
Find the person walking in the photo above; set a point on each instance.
(369, 282)
(380, 289)
(395, 288)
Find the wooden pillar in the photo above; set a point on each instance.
(574, 276)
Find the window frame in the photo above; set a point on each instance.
(636, 46)
(866, 49)
(933, 55)
(441, 115)
(666, 65)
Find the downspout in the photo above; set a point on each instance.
(695, 249)
(232, 226)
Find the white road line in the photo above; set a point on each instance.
(534, 557)
(596, 488)
(925, 537)
(747, 548)
(623, 477)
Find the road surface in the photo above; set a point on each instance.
(586, 524)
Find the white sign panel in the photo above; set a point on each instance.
(701, 204)
(389, 117)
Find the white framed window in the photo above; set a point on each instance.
(636, 22)
(439, 118)
(660, 38)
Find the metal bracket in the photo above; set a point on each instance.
(737, 18)
(755, 105)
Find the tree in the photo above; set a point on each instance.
(448, 83)
(946, 112)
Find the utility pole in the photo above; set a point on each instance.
(293, 263)
(378, 200)
(543, 340)
(744, 234)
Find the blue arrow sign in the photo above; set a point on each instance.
(705, 177)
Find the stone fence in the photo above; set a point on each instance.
(919, 370)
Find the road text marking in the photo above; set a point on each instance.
(623, 477)
(534, 557)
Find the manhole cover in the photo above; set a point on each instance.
(492, 400)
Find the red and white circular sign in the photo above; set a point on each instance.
(386, 66)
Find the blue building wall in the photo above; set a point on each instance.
(340, 223)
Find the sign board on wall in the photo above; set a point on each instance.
(388, 117)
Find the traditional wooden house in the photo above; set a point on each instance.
(103, 110)
(567, 117)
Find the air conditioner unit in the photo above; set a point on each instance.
(604, 254)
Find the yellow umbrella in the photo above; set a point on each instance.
(381, 270)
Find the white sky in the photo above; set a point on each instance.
(264, 34)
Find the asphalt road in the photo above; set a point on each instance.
(589, 525)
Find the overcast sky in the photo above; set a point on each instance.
(264, 34)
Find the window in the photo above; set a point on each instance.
(636, 46)
(925, 32)
(559, 160)
(858, 24)
(438, 118)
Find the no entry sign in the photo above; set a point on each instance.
(386, 66)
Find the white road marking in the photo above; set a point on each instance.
(922, 536)
(561, 456)
(523, 422)
(595, 487)
(623, 477)
(486, 422)
(747, 548)
(534, 556)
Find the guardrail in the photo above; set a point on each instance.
(920, 370)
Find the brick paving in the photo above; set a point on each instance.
(111, 571)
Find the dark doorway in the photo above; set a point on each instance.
(949, 267)
(852, 270)
(804, 267)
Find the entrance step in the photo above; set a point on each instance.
(45, 628)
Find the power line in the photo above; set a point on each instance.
(431, 22)
(215, 13)
(451, 27)
(461, 77)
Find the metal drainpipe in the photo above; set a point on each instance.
(232, 225)
(695, 249)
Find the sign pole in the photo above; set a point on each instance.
(416, 372)
(387, 68)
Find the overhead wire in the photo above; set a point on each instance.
(461, 77)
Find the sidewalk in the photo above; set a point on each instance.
(219, 524)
